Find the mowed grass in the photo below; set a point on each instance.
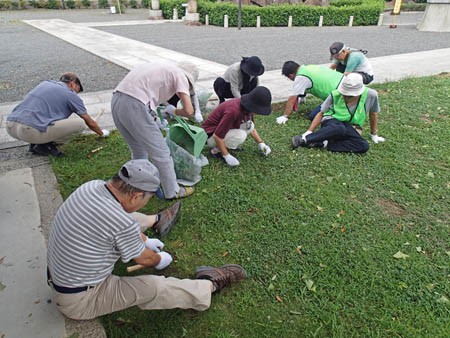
(316, 231)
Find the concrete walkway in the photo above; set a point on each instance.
(27, 180)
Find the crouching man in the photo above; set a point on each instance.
(230, 123)
(95, 227)
(342, 116)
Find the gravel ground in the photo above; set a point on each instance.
(29, 56)
(276, 45)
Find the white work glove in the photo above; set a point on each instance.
(154, 244)
(376, 138)
(306, 133)
(166, 259)
(231, 160)
(162, 124)
(265, 149)
(198, 116)
(106, 132)
(282, 119)
(169, 110)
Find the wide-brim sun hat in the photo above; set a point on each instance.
(252, 66)
(351, 85)
(190, 70)
(258, 101)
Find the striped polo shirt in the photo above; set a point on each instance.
(90, 232)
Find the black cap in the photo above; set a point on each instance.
(252, 66)
(69, 77)
(335, 49)
(258, 101)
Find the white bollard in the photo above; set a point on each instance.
(258, 22)
(350, 22)
(175, 14)
(290, 21)
(225, 21)
(206, 20)
(321, 21)
(380, 19)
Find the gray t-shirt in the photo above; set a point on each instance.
(48, 102)
(372, 105)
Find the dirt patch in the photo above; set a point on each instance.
(426, 118)
(443, 75)
(279, 106)
(390, 207)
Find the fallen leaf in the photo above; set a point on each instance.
(271, 287)
(224, 254)
(295, 313)
(279, 299)
(299, 249)
(430, 174)
(448, 253)
(415, 186)
(322, 265)
(274, 277)
(37, 302)
(342, 229)
(443, 299)
(400, 255)
(419, 249)
(319, 208)
(407, 243)
(430, 286)
(309, 284)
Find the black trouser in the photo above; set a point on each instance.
(223, 88)
(341, 136)
(366, 77)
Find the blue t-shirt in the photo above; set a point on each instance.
(48, 102)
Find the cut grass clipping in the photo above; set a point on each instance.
(333, 244)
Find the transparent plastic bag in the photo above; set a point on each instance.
(187, 166)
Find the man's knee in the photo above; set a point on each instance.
(234, 138)
(219, 84)
(364, 147)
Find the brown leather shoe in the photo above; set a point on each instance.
(167, 219)
(221, 277)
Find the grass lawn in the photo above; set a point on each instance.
(316, 231)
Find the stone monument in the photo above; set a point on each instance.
(155, 13)
(436, 17)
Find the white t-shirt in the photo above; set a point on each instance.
(300, 85)
(154, 83)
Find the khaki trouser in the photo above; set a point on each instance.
(62, 131)
(147, 291)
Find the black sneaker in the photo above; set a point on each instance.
(221, 277)
(53, 150)
(215, 155)
(167, 219)
(39, 149)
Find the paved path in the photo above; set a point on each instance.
(19, 169)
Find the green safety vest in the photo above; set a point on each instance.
(324, 80)
(341, 112)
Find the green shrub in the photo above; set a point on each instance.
(42, 3)
(420, 1)
(133, 4)
(145, 3)
(33, 3)
(5, 4)
(365, 14)
(14, 5)
(341, 3)
(77, 3)
(70, 4)
(52, 4)
(86, 3)
(122, 7)
(411, 6)
(103, 3)
(22, 4)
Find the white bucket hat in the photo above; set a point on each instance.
(190, 70)
(351, 85)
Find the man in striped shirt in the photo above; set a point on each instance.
(96, 226)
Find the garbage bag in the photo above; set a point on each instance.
(187, 166)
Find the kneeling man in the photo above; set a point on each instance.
(42, 118)
(342, 116)
(96, 226)
(230, 123)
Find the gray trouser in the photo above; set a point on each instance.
(140, 132)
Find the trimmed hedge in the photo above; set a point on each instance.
(341, 3)
(365, 14)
